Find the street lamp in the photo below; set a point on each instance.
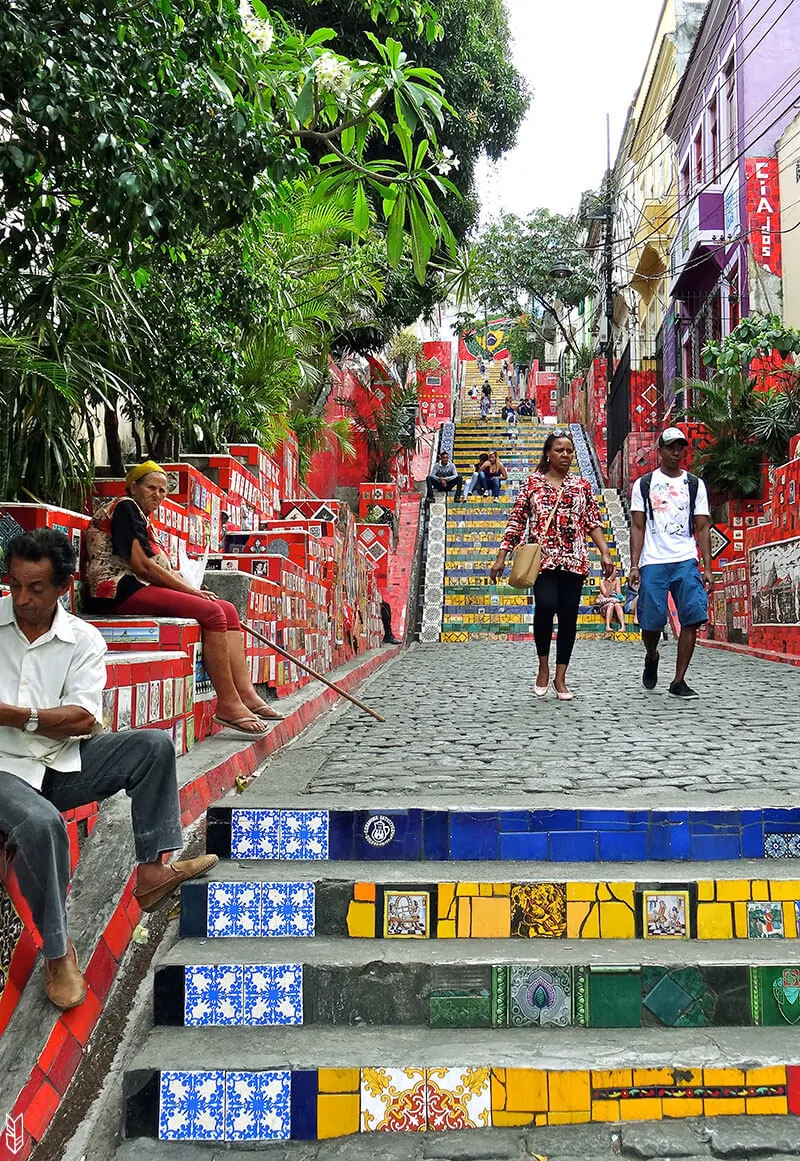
(561, 271)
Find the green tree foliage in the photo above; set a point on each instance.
(383, 425)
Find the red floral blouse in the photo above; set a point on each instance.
(577, 514)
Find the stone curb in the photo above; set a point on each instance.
(50, 1069)
(752, 651)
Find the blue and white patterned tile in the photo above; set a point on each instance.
(273, 994)
(258, 1106)
(287, 909)
(776, 846)
(303, 834)
(255, 834)
(234, 909)
(191, 1106)
(213, 995)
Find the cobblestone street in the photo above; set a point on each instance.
(463, 719)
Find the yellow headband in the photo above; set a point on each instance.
(142, 470)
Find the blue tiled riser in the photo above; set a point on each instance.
(542, 835)
(253, 910)
(253, 995)
(225, 1106)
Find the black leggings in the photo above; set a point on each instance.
(556, 593)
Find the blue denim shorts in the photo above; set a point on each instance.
(681, 579)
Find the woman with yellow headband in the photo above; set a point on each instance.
(129, 574)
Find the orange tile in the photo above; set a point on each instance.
(569, 1091)
(526, 1090)
(720, 1076)
(338, 1115)
(761, 1075)
(581, 1118)
(364, 892)
(605, 1110)
(646, 1109)
(446, 929)
(491, 918)
(613, 1078)
(502, 1120)
(723, 1107)
(339, 1080)
(498, 1080)
(463, 923)
(767, 1106)
(692, 1107)
(646, 1076)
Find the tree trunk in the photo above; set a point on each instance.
(113, 445)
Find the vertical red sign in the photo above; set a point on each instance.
(434, 385)
(764, 211)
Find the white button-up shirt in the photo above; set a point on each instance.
(65, 666)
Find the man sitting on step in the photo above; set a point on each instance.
(443, 478)
(54, 755)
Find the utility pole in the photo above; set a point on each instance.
(608, 261)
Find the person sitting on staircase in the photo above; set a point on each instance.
(54, 755)
(129, 574)
(609, 602)
(509, 402)
(474, 482)
(444, 478)
(492, 475)
(525, 410)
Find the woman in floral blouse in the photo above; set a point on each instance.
(565, 559)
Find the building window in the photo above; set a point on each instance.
(698, 159)
(684, 184)
(731, 113)
(734, 306)
(713, 130)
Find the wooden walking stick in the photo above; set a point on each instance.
(302, 665)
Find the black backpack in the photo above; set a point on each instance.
(694, 484)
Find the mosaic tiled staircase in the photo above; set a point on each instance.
(447, 969)
(470, 533)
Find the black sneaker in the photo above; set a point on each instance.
(681, 689)
(650, 675)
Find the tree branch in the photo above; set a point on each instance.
(569, 339)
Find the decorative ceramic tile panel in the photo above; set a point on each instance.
(287, 909)
(540, 997)
(255, 834)
(393, 1099)
(303, 834)
(258, 1106)
(273, 994)
(213, 996)
(192, 1106)
(458, 1098)
(234, 910)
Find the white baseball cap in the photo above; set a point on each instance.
(671, 435)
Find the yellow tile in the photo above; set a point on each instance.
(463, 920)
(365, 892)
(361, 920)
(612, 1078)
(724, 1107)
(501, 1120)
(603, 893)
(714, 921)
(578, 892)
(788, 889)
(646, 1109)
(765, 1076)
(580, 1118)
(526, 1090)
(338, 1116)
(689, 1078)
(339, 1080)
(485, 889)
(502, 888)
(740, 920)
(541, 1119)
(491, 918)
(733, 890)
(583, 921)
(759, 889)
(605, 1110)
(447, 929)
(623, 892)
(617, 921)
(569, 1091)
(789, 921)
(466, 889)
(645, 1076)
(447, 893)
(767, 1106)
(498, 1080)
(705, 891)
(690, 1107)
(720, 1076)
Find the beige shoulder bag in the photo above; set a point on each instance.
(528, 558)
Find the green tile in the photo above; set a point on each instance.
(692, 980)
(700, 1014)
(615, 999)
(452, 1011)
(775, 996)
(667, 1001)
(500, 997)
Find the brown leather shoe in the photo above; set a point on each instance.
(181, 870)
(63, 981)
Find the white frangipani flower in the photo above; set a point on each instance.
(447, 161)
(333, 75)
(260, 31)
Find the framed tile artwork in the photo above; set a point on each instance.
(765, 921)
(406, 915)
(665, 914)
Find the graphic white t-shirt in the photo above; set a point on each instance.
(668, 538)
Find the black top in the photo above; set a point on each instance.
(127, 524)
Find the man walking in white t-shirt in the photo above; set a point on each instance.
(669, 507)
